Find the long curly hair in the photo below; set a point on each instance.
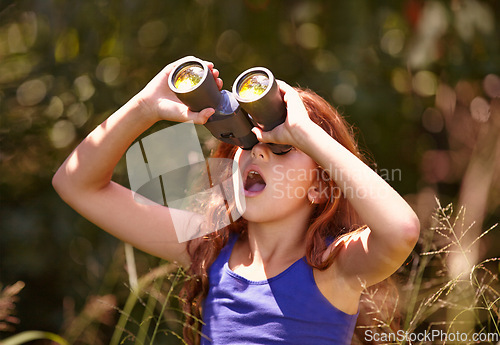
(329, 221)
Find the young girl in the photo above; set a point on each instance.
(319, 225)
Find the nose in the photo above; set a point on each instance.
(261, 151)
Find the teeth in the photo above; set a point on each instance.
(254, 182)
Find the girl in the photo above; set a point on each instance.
(292, 269)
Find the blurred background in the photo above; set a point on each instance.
(419, 79)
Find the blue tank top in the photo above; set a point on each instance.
(285, 309)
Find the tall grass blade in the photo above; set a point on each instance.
(28, 336)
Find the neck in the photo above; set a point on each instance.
(277, 240)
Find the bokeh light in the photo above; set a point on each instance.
(67, 45)
(491, 85)
(78, 114)
(84, 87)
(62, 134)
(229, 46)
(344, 94)
(326, 61)
(152, 34)
(392, 42)
(424, 83)
(55, 108)
(108, 70)
(480, 109)
(401, 80)
(309, 36)
(31, 92)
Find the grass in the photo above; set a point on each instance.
(435, 306)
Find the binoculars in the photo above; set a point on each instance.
(255, 100)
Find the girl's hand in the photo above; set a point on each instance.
(296, 123)
(158, 101)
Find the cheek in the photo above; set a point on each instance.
(292, 184)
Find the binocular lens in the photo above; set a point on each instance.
(188, 77)
(253, 86)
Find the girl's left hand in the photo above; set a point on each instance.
(297, 120)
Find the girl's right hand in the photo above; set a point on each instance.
(159, 102)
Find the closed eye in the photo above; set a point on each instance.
(279, 150)
(284, 152)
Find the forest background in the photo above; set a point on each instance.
(419, 79)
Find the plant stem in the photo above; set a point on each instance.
(472, 271)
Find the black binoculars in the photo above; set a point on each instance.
(255, 101)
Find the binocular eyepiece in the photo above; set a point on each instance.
(255, 100)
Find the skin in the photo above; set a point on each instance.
(275, 234)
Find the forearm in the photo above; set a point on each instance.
(377, 203)
(90, 166)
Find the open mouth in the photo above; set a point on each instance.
(254, 182)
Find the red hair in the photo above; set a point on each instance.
(329, 221)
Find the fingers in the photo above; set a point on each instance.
(258, 133)
(263, 137)
(215, 73)
(289, 93)
(284, 86)
(200, 118)
(168, 69)
(286, 90)
(218, 81)
(295, 105)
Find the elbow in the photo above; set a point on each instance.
(411, 230)
(58, 181)
(62, 183)
(71, 186)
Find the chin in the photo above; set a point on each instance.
(253, 214)
(259, 214)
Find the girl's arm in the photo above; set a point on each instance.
(393, 228)
(84, 179)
